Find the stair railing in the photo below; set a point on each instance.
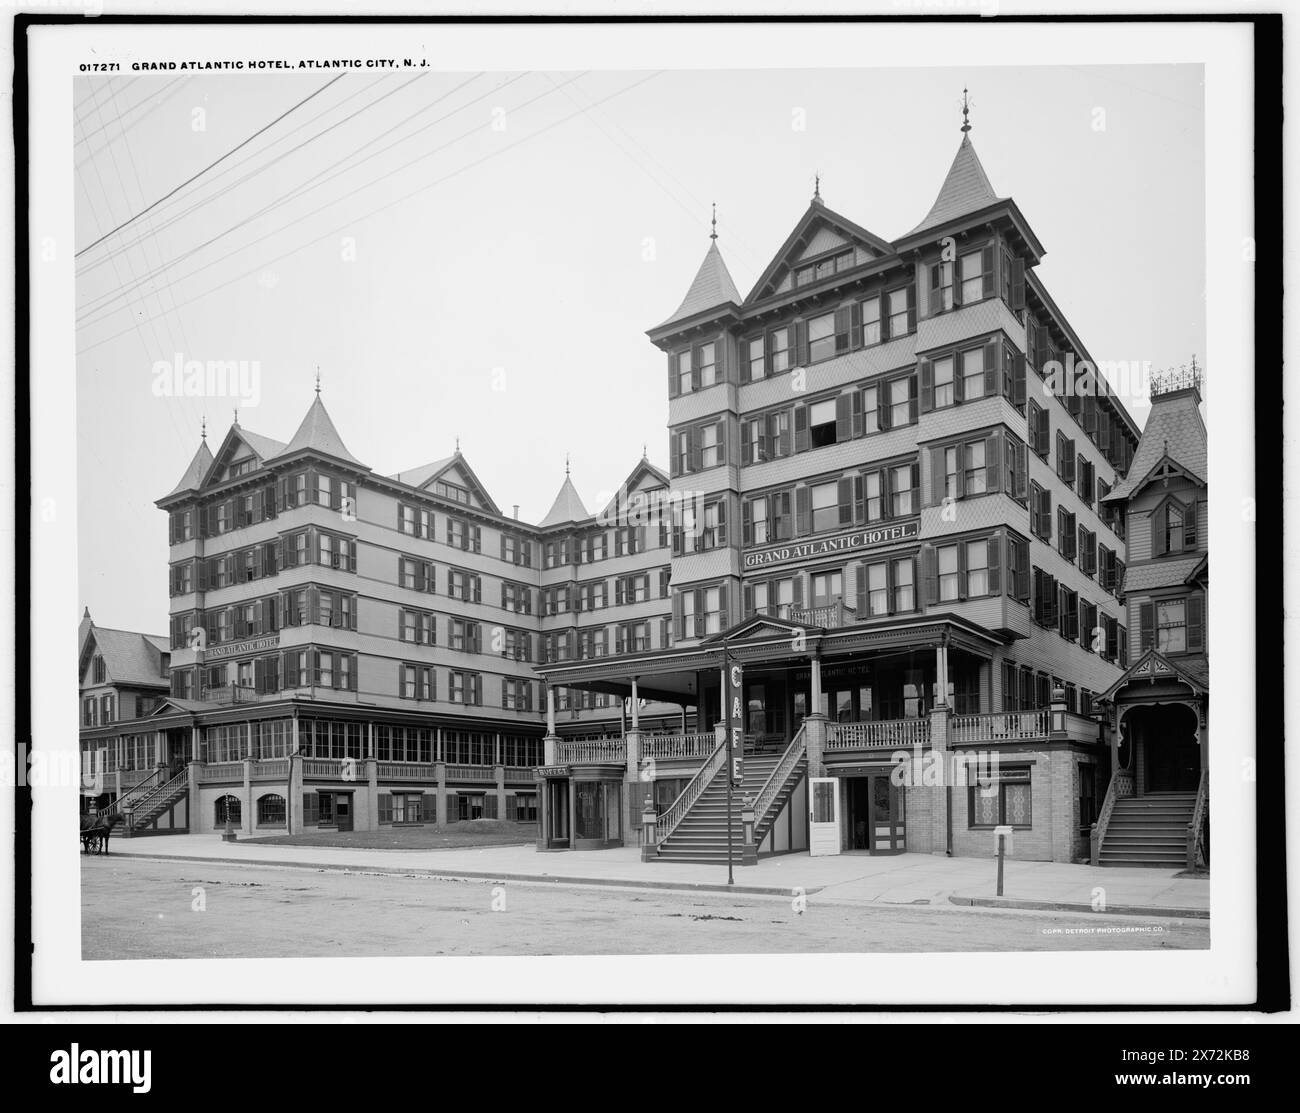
(140, 809)
(695, 787)
(133, 794)
(1098, 832)
(776, 781)
(1197, 825)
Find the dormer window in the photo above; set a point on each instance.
(242, 467)
(452, 491)
(823, 268)
(1173, 530)
(98, 672)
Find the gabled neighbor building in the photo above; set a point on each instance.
(893, 514)
(1157, 809)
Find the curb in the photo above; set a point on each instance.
(480, 875)
(1061, 906)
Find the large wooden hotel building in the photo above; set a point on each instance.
(881, 504)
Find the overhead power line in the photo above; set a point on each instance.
(239, 146)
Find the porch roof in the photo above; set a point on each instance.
(669, 674)
(1151, 668)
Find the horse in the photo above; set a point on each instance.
(95, 831)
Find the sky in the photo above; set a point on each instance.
(479, 256)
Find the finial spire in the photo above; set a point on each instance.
(817, 186)
(457, 444)
(713, 235)
(965, 111)
(204, 428)
(566, 465)
(644, 454)
(236, 415)
(318, 380)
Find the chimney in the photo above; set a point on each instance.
(516, 512)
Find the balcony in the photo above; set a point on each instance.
(666, 747)
(828, 616)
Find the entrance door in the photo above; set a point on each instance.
(886, 821)
(1173, 765)
(823, 815)
(557, 813)
(343, 810)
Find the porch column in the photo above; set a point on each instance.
(636, 719)
(941, 799)
(549, 742)
(814, 722)
(941, 673)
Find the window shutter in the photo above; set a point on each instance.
(746, 442)
(747, 598)
(912, 401)
(987, 262)
(801, 428)
(991, 369)
(993, 462)
(859, 500)
(936, 289)
(856, 409)
(911, 308)
(844, 495)
(926, 372)
(697, 625)
(801, 343)
(843, 418)
(672, 374)
(938, 477)
(679, 624)
(883, 318)
(930, 574)
(695, 368)
(696, 451)
(860, 573)
(724, 611)
(886, 494)
(313, 605)
(1189, 526)
(1018, 378)
(803, 510)
(1196, 623)
(1017, 284)
(1146, 626)
(747, 522)
(842, 329)
(997, 551)
(1045, 515)
(797, 589)
(855, 325)
(1159, 521)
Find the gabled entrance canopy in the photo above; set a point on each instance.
(1149, 669)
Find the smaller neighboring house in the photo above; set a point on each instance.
(123, 673)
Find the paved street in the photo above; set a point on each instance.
(137, 908)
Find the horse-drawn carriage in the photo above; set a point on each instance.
(95, 830)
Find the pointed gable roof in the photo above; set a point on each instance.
(817, 218)
(965, 190)
(566, 508)
(129, 657)
(426, 474)
(264, 448)
(1154, 665)
(713, 287)
(198, 468)
(317, 434)
(644, 470)
(1175, 431)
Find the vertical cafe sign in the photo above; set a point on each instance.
(736, 720)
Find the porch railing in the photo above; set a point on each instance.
(219, 772)
(677, 811)
(598, 751)
(665, 746)
(1196, 829)
(271, 769)
(406, 771)
(883, 735)
(473, 773)
(771, 789)
(999, 727)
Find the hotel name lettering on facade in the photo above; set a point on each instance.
(239, 648)
(846, 542)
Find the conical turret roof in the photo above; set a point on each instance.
(713, 287)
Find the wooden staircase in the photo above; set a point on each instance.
(701, 835)
(145, 809)
(1149, 831)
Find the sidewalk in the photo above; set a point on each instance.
(904, 879)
